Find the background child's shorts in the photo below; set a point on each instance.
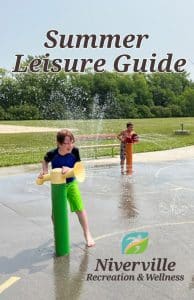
(74, 196)
(122, 151)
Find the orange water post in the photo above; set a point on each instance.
(129, 158)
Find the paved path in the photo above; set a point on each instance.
(22, 129)
(158, 199)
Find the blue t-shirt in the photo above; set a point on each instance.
(51, 154)
(67, 160)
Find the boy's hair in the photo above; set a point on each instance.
(129, 124)
(62, 134)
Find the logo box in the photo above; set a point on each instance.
(135, 242)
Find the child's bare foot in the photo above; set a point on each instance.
(89, 240)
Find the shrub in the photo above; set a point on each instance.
(23, 112)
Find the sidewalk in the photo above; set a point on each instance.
(146, 157)
(157, 199)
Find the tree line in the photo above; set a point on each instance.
(91, 95)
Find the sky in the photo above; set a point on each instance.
(169, 24)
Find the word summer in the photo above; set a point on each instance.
(122, 63)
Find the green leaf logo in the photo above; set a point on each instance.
(135, 242)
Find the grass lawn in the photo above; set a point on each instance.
(155, 134)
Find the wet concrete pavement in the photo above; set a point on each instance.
(158, 198)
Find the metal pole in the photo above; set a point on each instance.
(60, 219)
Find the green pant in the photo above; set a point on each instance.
(74, 196)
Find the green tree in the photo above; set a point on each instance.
(144, 111)
(2, 113)
(23, 112)
(143, 96)
(128, 108)
(166, 87)
(187, 102)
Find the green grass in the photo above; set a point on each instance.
(155, 134)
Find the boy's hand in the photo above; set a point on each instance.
(65, 170)
(41, 174)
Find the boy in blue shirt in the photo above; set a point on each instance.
(65, 156)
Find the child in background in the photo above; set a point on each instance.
(126, 136)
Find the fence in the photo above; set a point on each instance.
(96, 149)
